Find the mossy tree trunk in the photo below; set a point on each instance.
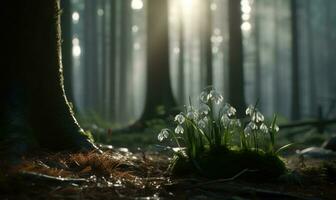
(34, 108)
(66, 21)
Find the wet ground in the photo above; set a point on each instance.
(121, 174)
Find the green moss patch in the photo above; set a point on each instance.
(225, 163)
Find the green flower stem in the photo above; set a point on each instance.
(254, 140)
(176, 139)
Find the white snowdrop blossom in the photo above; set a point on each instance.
(204, 97)
(180, 118)
(258, 117)
(164, 133)
(252, 125)
(179, 129)
(225, 121)
(215, 96)
(248, 130)
(229, 110)
(203, 122)
(192, 113)
(263, 128)
(249, 110)
(275, 128)
(204, 109)
(235, 123)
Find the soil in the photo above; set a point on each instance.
(120, 174)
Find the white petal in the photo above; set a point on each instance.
(204, 109)
(276, 128)
(179, 129)
(201, 123)
(204, 97)
(248, 131)
(252, 125)
(180, 118)
(249, 110)
(160, 137)
(263, 128)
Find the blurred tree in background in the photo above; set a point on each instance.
(278, 52)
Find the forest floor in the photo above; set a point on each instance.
(121, 174)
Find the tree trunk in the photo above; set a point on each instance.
(125, 56)
(34, 104)
(159, 92)
(257, 51)
(90, 92)
(276, 54)
(206, 33)
(113, 30)
(181, 74)
(311, 63)
(295, 63)
(236, 73)
(66, 21)
(100, 57)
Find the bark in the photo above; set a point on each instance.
(66, 21)
(257, 52)
(311, 58)
(100, 67)
(206, 32)
(295, 63)
(125, 57)
(236, 73)
(181, 74)
(276, 54)
(34, 105)
(90, 56)
(112, 56)
(159, 92)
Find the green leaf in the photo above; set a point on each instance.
(272, 131)
(283, 147)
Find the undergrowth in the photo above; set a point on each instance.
(212, 141)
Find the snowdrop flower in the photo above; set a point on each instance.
(248, 130)
(263, 128)
(164, 133)
(204, 97)
(252, 125)
(204, 109)
(235, 122)
(180, 118)
(215, 96)
(192, 113)
(229, 110)
(179, 129)
(249, 110)
(275, 128)
(225, 121)
(258, 117)
(203, 122)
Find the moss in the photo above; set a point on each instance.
(225, 163)
(89, 135)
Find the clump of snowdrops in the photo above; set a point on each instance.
(213, 124)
